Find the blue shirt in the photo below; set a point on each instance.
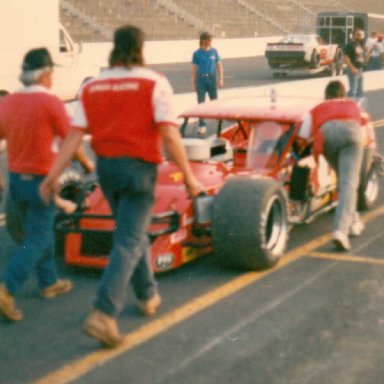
(206, 61)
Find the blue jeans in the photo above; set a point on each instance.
(343, 148)
(128, 184)
(205, 85)
(356, 85)
(36, 251)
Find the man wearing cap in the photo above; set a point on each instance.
(30, 119)
(129, 114)
(207, 72)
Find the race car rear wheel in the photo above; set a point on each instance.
(315, 60)
(369, 187)
(249, 225)
(339, 63)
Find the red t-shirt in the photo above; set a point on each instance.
(123, 108)
(31, 120)
(337, 109)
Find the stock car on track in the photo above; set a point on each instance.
(259, 181)
(304, 53)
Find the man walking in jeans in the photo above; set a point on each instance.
(29, 121)
(207, 73)
(128, 111)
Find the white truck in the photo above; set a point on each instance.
(27, 24)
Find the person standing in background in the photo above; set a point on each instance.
(354, 58)
(207, 73)
(375, 51)
(127, 109)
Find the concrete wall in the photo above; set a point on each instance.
(180, 51)
(161, 52)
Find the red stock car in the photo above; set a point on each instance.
(259, 182)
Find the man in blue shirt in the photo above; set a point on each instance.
(207, 72)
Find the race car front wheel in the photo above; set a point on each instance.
(249, 225)
(369, 187)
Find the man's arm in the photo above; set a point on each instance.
(66, 153)
(220, 74)
(174, 147)
(82, 157)
(194, 76)
(348, 62)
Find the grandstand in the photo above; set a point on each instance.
(95, 20)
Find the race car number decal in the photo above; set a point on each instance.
(176, 177)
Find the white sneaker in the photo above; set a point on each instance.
(356, 229)
(341, 241)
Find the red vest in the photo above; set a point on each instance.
(336, 109)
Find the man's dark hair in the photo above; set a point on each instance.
(335, 90)
(128, 46)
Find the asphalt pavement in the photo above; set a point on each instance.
(317, 317)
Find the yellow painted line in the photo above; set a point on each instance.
(86, 364)
(82, 366)
(345, 257)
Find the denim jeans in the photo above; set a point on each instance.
(205, 85)
(128, 184)
(36, 252)
(343, 148)
(356, 85)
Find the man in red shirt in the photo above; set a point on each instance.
(30, 120)
(335, 128)
(128, 111)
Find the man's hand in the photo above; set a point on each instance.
(47, 190)
(193, 186)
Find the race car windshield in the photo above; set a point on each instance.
(265, 145)
(204, 127)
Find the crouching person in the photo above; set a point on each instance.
(29, 121)
(335, 128)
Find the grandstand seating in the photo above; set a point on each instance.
(94, 20)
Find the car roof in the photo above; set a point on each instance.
(285, 108)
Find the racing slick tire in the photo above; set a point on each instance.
(249, 225)
(339, 63)
(369, 186)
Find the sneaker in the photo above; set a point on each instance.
(356, 229)
(341, 241)
(61, 287)
(8, 305)
(103, 328)
(149, 307)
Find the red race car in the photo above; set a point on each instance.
(259, 179)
